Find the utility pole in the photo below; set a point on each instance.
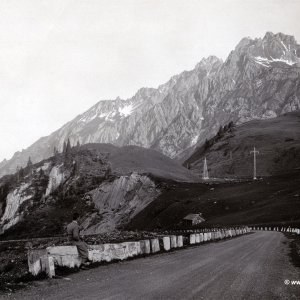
(205, 171)
(254, 162)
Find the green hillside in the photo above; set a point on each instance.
(228, 153)
(272, 200)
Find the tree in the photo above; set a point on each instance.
(41, 172)
(68, 146)
(206, 144)
(78, 144)
(75, 167)
(230, 124)
(55, 151)
(64, 147)
(29, 163)
(21, 173)
(18, 174)
(220, 132)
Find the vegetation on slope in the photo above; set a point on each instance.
(271, 200)
(228, 153)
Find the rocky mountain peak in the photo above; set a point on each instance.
(144, 93)
(244, 43)
(279, 49)
(275, 48)
(270, 36)
(209, 63)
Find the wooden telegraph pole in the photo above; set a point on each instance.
(205, 171)
(254, 162)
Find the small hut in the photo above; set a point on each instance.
(193, 219)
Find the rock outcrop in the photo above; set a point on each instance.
(119, 201)
(13, 202)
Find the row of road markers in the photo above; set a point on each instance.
(171, 242)
(279, 229)
(197, 238)
(45, 260)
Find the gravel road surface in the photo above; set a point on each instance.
(253, 266)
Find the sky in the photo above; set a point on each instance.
(60, 57)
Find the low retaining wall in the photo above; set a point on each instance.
(64, 256)
(44, 260)
(110, 252)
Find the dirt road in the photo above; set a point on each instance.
(249, 267)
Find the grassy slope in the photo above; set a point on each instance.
(278, 141)
(271, 200)
(129, 159)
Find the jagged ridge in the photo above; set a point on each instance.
(259, 79)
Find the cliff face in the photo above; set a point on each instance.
(119, 201)
(258, 80)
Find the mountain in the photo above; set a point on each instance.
(228, 153)
(232, 197)
(108, 185)
(138, 188)
(259, 80)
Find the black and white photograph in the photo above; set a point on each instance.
(150, 149)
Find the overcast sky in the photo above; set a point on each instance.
(59, 57)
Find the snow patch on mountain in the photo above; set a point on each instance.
(285, 46)
(103, 115)
(126, 110)
(194, 140)
(110, 116)
(88, 118)
(265, 61)
(262, 61)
